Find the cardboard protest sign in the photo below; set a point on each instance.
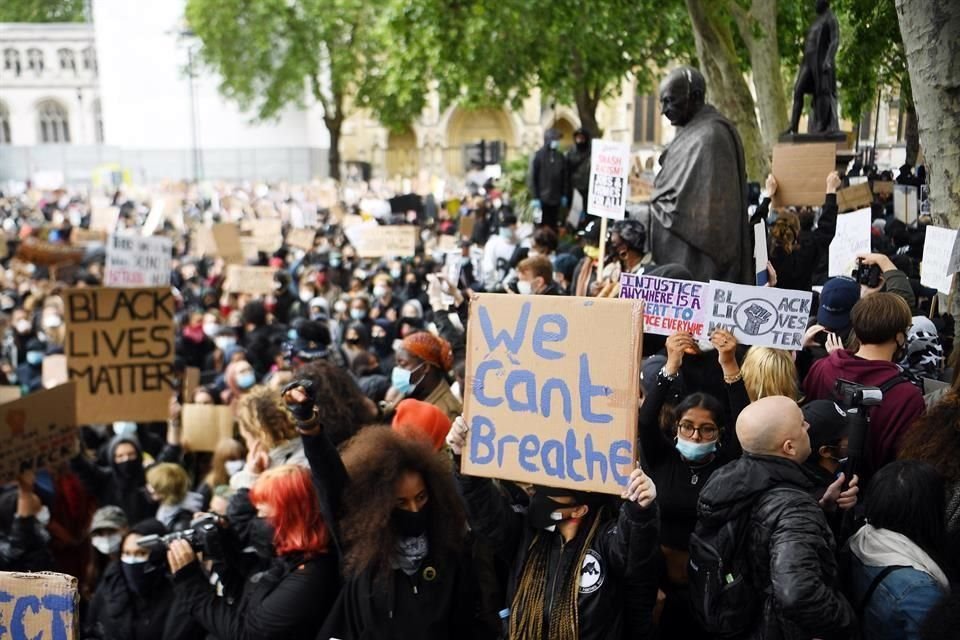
(467, 224)
(934, 270)
(38, 431)
(226, 239)
(158, 212)
(42, 605)
(191, 380)
(372, 240)
(302, 238)
(53, 371)
(9, 393)
(854, 197)
(852, 239)
(267, 233)
(801, 171)
(205, 425)
(137, 261)
(80, 236)
(609, 175)
(669, 305)
(760, 258)
(763, 316)
(104, 218)
(250, 248)
(43, 253)
(257, 281)
(551, 390)
(119, 351)
(884, 188)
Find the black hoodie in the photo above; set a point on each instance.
(578, 165)
(791, 546)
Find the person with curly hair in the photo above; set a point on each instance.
(269, 433)
(402, 528)
(935, 439)
(423, 362)
(575, 572)
(345, 409)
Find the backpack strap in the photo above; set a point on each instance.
(880, 577)
(892, 382)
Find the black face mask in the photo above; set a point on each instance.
(140, 577)
(260, 534)
(410, 524)
(541, 510)
(128, 468)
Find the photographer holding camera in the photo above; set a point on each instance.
(880, 323)
(291, 597)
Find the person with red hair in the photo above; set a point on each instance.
(423, 362)
(290, 599)
(416, 419)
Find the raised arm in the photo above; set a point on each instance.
(653, 446)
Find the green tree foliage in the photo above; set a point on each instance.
(42, 11)
(272, 54)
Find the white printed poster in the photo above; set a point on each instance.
(609, 179)
(935, 269)
(137, 261)
(851, 240)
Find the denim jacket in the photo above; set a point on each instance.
(899, 604)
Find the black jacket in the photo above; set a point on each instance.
(622, 557)
(791, 547)
(288, 601)
(548, 176)
(117, 613)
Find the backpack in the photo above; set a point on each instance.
(725, 599)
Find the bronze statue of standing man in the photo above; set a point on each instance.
(817, 75)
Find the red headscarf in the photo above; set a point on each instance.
(429, 348)
(420, 419)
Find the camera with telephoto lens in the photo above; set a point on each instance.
(201, 536)
(867, 274)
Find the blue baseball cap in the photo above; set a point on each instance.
(836, 300)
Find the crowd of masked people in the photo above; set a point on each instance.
(338, 509)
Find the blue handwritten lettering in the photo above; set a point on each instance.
(482, 433)
(512, 343)
(556, 384)
(522, 378)
(529, 447)
(479, 383)
(541, 335)
(588, 391)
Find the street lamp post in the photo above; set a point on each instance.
(197, 158)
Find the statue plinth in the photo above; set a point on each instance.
(800, 138)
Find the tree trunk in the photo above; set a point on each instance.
(911, 129)
(931, 41)
(726, 86)
(333, 154)
(587, 110)
(765, 63)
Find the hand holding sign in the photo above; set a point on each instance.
(678, 344)
(457, 436)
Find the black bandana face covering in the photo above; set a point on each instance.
(544, 511)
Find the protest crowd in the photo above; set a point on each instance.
(305, 465)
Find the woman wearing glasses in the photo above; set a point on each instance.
(699, 443)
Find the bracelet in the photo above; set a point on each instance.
(310, 423)
(734, 378)
(668, 378)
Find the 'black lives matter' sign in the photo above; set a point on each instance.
(119, 348)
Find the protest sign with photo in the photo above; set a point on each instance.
(137, 261)
(669, 305)
(764, 316)
(256, 281)
(801, 171)
(205, 425)
(609, 179)
(41, 605)
(852, 239)
(551, 390)
(119, 348)
(372, 240)
(934, 270)
(38, 431)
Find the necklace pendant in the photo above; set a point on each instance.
(694, 479)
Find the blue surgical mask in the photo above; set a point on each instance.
(400, 379)
(554, 144)
(358, 314)
(695, 451)
(246, 380)
(291, 334)
(35, 357)
(506, 233)
(396, 273)
(225, 344)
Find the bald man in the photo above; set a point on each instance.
(767, 495)
(698, 210)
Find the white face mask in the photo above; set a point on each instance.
(107, 544)
(52, 322)
(233, 466)
(379, 291)
(306, 295)
(23, 326)
(210, 329)
(524, 287)
(43, 516)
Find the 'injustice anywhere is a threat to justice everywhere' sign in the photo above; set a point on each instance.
(551, 390)
(119, 349)
(669, 305)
